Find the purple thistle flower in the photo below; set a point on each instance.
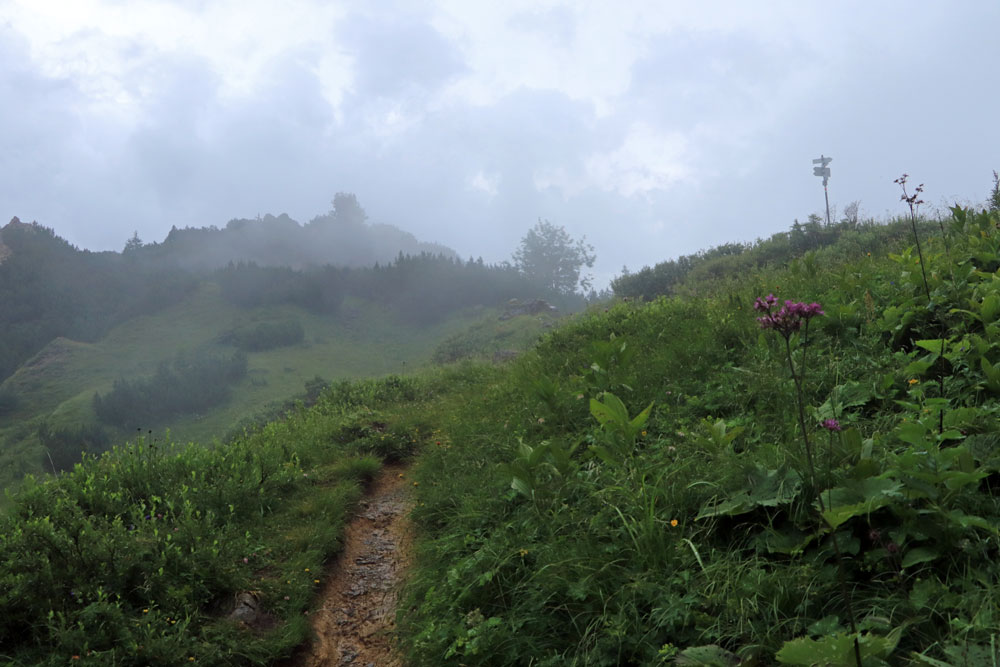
(831, 425)
(789, 318)
(764, 304)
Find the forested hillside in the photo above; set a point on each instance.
(341, 237)
(96, 345)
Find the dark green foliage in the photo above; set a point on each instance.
(250, 285)
(421, 289)
(191, 383)
(265, 335)
(64, 446)
(50, 289)
(426, 288)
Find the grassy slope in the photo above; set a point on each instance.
(363, 340)
(702, 531)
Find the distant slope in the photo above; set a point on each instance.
(50, 288)
(56, 387)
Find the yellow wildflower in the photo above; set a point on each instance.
(673, 523)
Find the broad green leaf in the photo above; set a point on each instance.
(616, 405)
(521, 486)
(956, 479)
(740, 504)
(915, 368)
(826, 626)
(970, 521)
(605, 454)
(919, 555)
(603, 413)
(852, 441)
(934, 345)
(788, 541)
(836, 649)
(640, 419)
(924, 591)
(913, 433)
(992, 375)
(990, 308)
(858, 498)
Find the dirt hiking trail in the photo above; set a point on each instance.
(355, 622)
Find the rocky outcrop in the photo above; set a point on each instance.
(534, 307)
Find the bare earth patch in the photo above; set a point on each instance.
(356, 620)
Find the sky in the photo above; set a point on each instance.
(653, 129)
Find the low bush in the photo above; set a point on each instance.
(189, 384)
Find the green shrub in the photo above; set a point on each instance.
(189, 384)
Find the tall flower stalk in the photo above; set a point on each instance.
(787, 320)
(792, 317)
(914, 202)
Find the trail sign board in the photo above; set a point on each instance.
(822, 170)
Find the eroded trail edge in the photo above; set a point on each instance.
(356, 620)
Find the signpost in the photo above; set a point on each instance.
(824, 171)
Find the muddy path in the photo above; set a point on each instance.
(355, 622)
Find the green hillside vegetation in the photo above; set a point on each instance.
(50, 289)
(56, 416)
(99, 346)
(142, 556)
(850, 236)
(794, 463)
(638, 489)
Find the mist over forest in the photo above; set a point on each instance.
(187, 333)
(51, 289)
(340, 237)
(530, 333)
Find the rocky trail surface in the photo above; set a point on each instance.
(355, 622)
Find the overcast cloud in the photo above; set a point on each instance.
(654, 128)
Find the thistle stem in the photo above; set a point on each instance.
(819, 496)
